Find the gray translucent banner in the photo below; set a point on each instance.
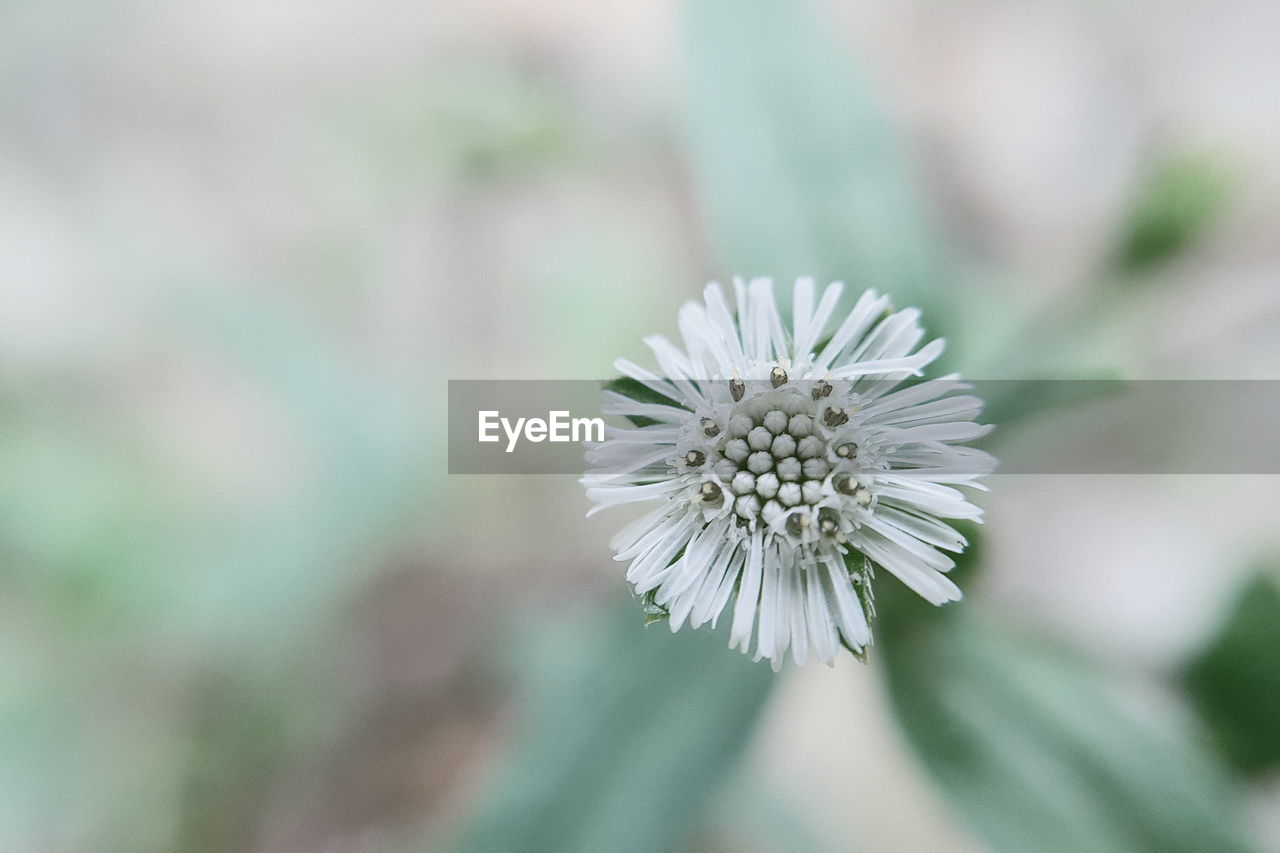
(1053, 426)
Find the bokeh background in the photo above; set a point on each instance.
(243, 246)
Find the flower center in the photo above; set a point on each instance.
(782, 454)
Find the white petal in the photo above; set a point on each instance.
(719, 315)
(896, 539)
(869, 306)
(926, 529)
(818, 616)
(962, 407)
(675, 365)
(653, 382)
(629, 535)
(694, 562)
(704, 603)
(798, 626)
(951, 431)
(894, 337)
(652, 434)
(708, 353)
(727, 584)
(667, 528)
(919, 393)
(931, 585)
(651, 569)
(771, 339)
(614, 495)
(771, 596)
(615, 461)
(744, 611)
(620, 404)
(802, 316)
(921, 495)
(818, 323)
(853, 622)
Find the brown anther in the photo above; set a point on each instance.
(710, 493)
(844, 484)
(694, 458)
(737, 388)
(710, 428)
(848, 450)
(777, 377)
(821, 389)
(797, 523)
(828, 521)
(835, 416)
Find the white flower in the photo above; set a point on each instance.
(784, 464)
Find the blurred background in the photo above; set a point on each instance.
(243, 246)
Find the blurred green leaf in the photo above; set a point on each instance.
(1012, 401)
(797, 168)
(1235, 680)
(625, 740)
(239, 736)
(1173, 209)
(1035, 748)
(279, 572)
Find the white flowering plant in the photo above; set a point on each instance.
(785, 461)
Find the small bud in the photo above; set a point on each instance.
(808, 447)
(789, 469)
(737, 450)
(800, 425)
(747, 506)
(760, 462)
(775, 421)
(760, 438)
(816, 468)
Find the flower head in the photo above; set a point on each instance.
(785, 463)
